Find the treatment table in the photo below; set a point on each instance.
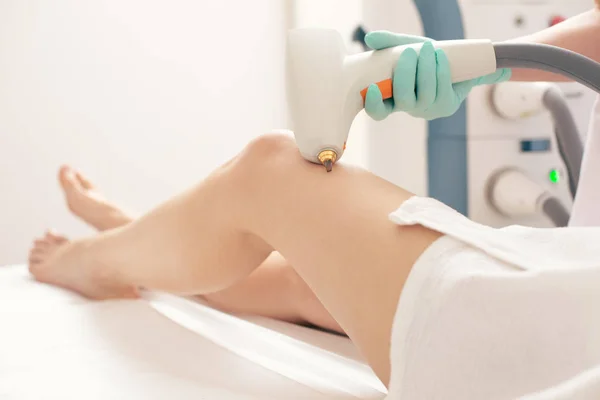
(56, 345)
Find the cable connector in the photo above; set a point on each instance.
(514, 194)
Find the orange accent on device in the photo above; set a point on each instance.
(387, 91)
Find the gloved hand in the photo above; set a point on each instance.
(422, 83)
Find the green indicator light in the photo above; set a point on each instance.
(554, 176)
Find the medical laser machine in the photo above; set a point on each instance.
(531, 142)
(510, 190)
(456, 159)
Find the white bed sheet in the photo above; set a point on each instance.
(54, 344)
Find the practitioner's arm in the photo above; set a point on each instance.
(579, 34)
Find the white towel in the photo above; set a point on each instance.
(497, 313)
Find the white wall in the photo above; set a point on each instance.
(144, 96)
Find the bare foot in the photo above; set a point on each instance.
(44, 245)
(56, 261)
(87, 203)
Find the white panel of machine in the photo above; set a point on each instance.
(494, 142)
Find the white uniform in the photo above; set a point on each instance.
(497, 313)
(586, 210)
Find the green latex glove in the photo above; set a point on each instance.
(422, 83)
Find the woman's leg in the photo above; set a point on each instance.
(87, 203)
(273, 290)
(333, 228)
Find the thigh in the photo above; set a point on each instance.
(334, 229)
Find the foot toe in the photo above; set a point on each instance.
(67, 179)
(34, 259)
(40, 243)
(54, 237)
(39, 249)
(39, 257)
(83, 181)
(63, 175)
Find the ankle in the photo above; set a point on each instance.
(103, 264)
(112, 218)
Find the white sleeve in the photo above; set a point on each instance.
(586, 209)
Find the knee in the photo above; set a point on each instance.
(271, 146)
(268, 156)
(271, 164)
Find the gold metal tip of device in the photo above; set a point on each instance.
(327, 158)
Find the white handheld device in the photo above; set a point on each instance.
(326, 87)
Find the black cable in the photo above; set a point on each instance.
(557, 213)
(551, 59)
(569, 141)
